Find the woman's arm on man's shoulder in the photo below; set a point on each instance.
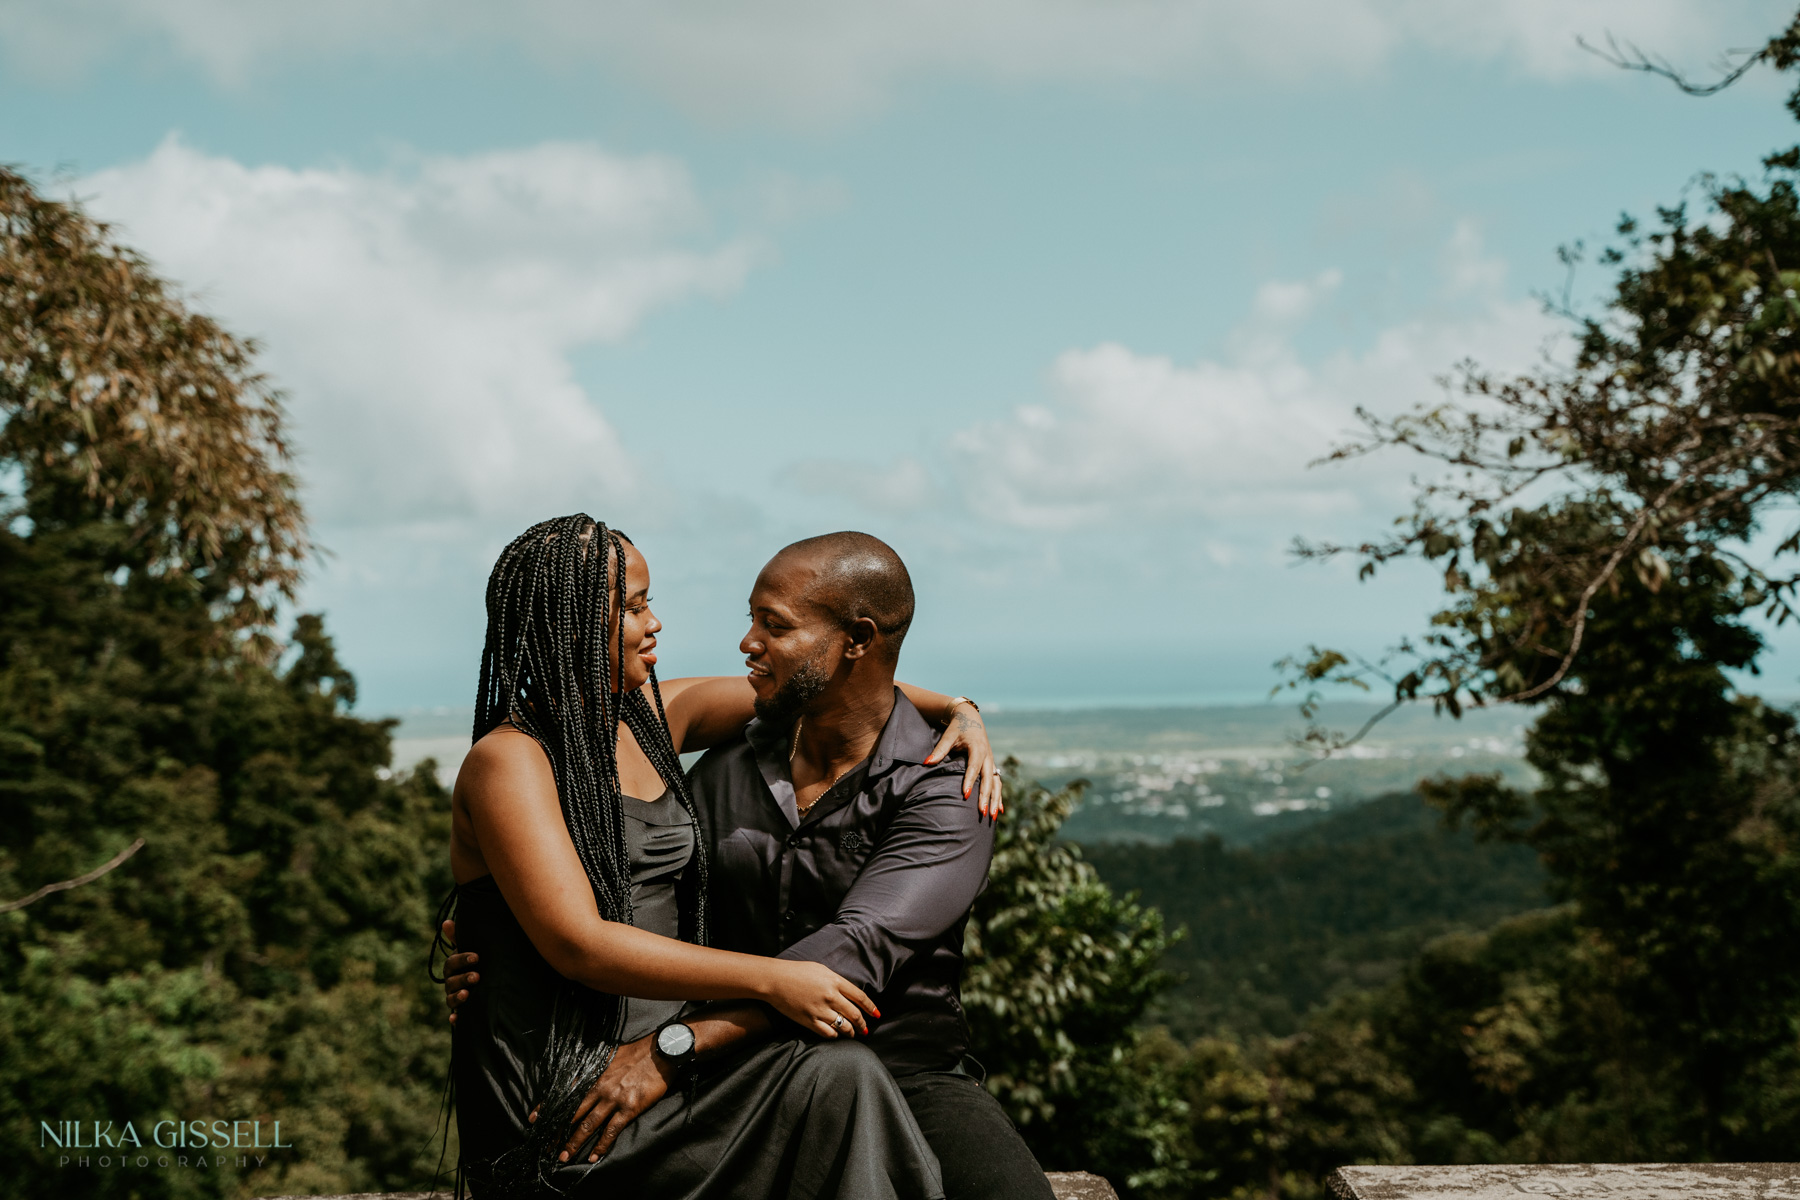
(963, 730)
(706, 710)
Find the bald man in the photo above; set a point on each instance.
(831, 839)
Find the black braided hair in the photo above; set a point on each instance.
(552, 600)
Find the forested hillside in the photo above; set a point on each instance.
(1275, 929)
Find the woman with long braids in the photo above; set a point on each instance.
(581, 883)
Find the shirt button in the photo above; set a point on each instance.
(788, 915)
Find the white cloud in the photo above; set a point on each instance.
(421, 318)
(1130, 438)
(820, 60)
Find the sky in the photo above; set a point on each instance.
(1061, 299)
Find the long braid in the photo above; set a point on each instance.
(552, 600)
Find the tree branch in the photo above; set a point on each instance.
(1630, 58)
(1387, 711)
(65, 885)
(1581, 611)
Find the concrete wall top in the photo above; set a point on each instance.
(1601, 1181)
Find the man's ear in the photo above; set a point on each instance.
(862, 633)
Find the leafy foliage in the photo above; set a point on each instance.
(1060, 969)
(261, 957)
(1602, 528)
(119, 401)
(1646, 463)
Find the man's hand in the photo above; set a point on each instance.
(459, 973)
(636, 1078)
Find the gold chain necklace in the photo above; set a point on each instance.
(794, 749)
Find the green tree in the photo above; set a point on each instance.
(261, 956)
(120, 402)
(1603, 532)
(1060, 970)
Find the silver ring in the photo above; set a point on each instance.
(841, 1024)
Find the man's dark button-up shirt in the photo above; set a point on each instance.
(875, 881)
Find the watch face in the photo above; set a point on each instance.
(675, 1040)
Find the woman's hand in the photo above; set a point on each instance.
(967, 732)
(817, 999)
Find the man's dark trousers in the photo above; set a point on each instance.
(980, 1153)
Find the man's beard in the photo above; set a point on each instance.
(801, 689)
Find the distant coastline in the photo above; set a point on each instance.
(1160, 773)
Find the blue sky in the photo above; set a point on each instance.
(1060, 298)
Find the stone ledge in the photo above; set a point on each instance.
(1079, 1185)
(1623, 1181)
(1068, 1185)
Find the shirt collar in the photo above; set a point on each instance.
(906, 738)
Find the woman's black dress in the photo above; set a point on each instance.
(784, 1119)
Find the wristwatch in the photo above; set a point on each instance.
(675, 1042)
